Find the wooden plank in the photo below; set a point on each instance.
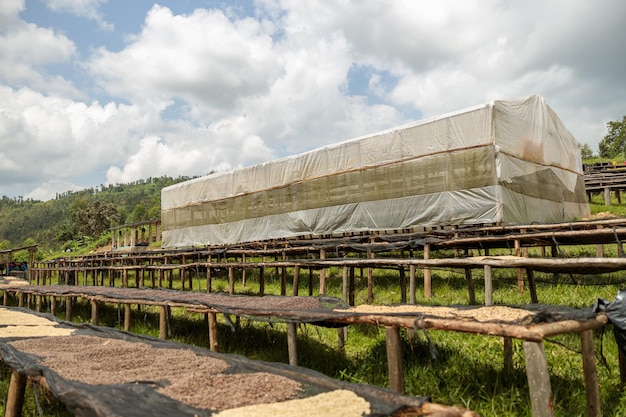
(538, 379)
(592, 387)
(394, 358)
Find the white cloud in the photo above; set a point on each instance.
(202, 58)
(89, 9)
(212, 89)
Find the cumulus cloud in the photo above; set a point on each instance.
(209, 89)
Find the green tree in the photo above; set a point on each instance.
(614, 143)
(586, 152)
(96, 218)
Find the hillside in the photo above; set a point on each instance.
(75, 218)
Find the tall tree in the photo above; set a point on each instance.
(614, 143)
(95, 218)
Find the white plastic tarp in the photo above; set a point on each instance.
(507, 162)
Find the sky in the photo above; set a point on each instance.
(99, 92)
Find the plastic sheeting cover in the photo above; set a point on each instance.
(510, 161)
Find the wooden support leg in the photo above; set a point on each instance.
(127, 310)
(470, 286)
(488, 286)
(351, 285)
(592, 386)
(428, 289)
(402, 285)
(538, 379)
(412, 299)
(15, 399)
(296, 280)
(212, 319)
(531, 286)
(95, 313)
(231, 280)
(508, 354)
(345, 285)
(394, 359)
(68, 308)
(261, 281)
(291, 343)
(163, 322)
(53, 305)
(342, 333)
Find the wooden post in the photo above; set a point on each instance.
(296, 279)
(470, 286)
(412, 299)
(291, 343)
(283, 277)
(508, 354)
(607, 196)
(212, 319)
(394, 358)
(53, 305)
(15, 397)
(599, 248)
(68, 308)
(163, 322)
(311, 282)
(95, 313)
(209, 281)
(244, 274)
(428, 292)
(592, 387)
(351, 283)
(370, 280)
(127, 311)
(488, 286)
(402, 284)
(520, 271)
(322, 273)
(261, 280)
(345, 285)
(538, 379)
(531, 286)
(231, 280)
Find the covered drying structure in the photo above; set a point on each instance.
(505, 162)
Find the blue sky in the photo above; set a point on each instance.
(97, 92)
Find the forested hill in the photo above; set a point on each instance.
(77, 217)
